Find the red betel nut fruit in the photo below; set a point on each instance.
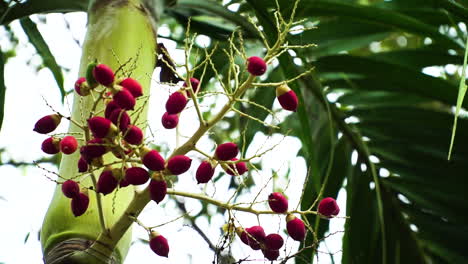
(255, 236)
(79, 204)
(278, 202)
(328, 207)
(238, 168)
(51, 145)
(242, 235)
(176, 103)
(152, 159)
(169, 121)
(82, 87)
(133, 86)
(68, 145)
(82, 165)
(194, 82)
(287, 97)
(295, 227)
(106, 182)
(101, 127)
(93, 149)
(124, 99)
(47, 124)
(270, 254)
(70, 189)
(120, 118)
(204, 172)
(110, 107)
(273, 241)
(103, 74)
(158, 190)
(136, 175)
(256, 66)
(179, 164)
(159, 244)
(133, 135)
(226, 151)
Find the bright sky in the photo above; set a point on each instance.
(26, 192)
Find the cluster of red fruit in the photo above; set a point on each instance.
(270, 245)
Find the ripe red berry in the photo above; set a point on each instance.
(70, 189)
(82, 87)
(106, 182)
(204, 172)
(242, 235)
(152, 159)
(133, 135)
(124, 99)
(170, 121)
(194, 82)
(235, 169)
(82, 165)
(79, 204)
(103, 74)
(159, 244)
(51, 145)
(255, 236)
(179, 164)
(278, 202)
(133, 86)
(136, 175)
(295, 227)
(101, 127)
(94, 148)
(270, 254)
(68, 145)
(273, 242)
(47, 124)
(110, 107)
(256, 66)
(120, 118)
(287, 98)
(226, 151)
(328, 207)
(158, 190)
(176, 103)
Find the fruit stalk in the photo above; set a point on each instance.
(118, 31)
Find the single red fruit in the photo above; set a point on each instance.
(256, 66)
(194, 82)
(255, 236)
(101, 127)
(124, 99)
(152, 159)
(328, 207)
(68, 145)
(226, 151)
(79, 204)
(103, 74)
(159, 244)
(176, 103)
(70, 189)
(82, 165)
(170, 121)
(235, 169)
(82, 87)
(270, 254)
(242, 234)
(47, 124)
(273, 242)
(136, 175)
(287, 98)
(158, 190)
(51, 145)
(179, 164)
(204, 172)
(106, 182)
(110, 107)
(133, 135)
(133, 86)
(278, 202)
(94, 148)
(120, 118)
(295, 227)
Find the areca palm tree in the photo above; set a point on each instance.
(375, 114)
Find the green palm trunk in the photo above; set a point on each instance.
(118, 31)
